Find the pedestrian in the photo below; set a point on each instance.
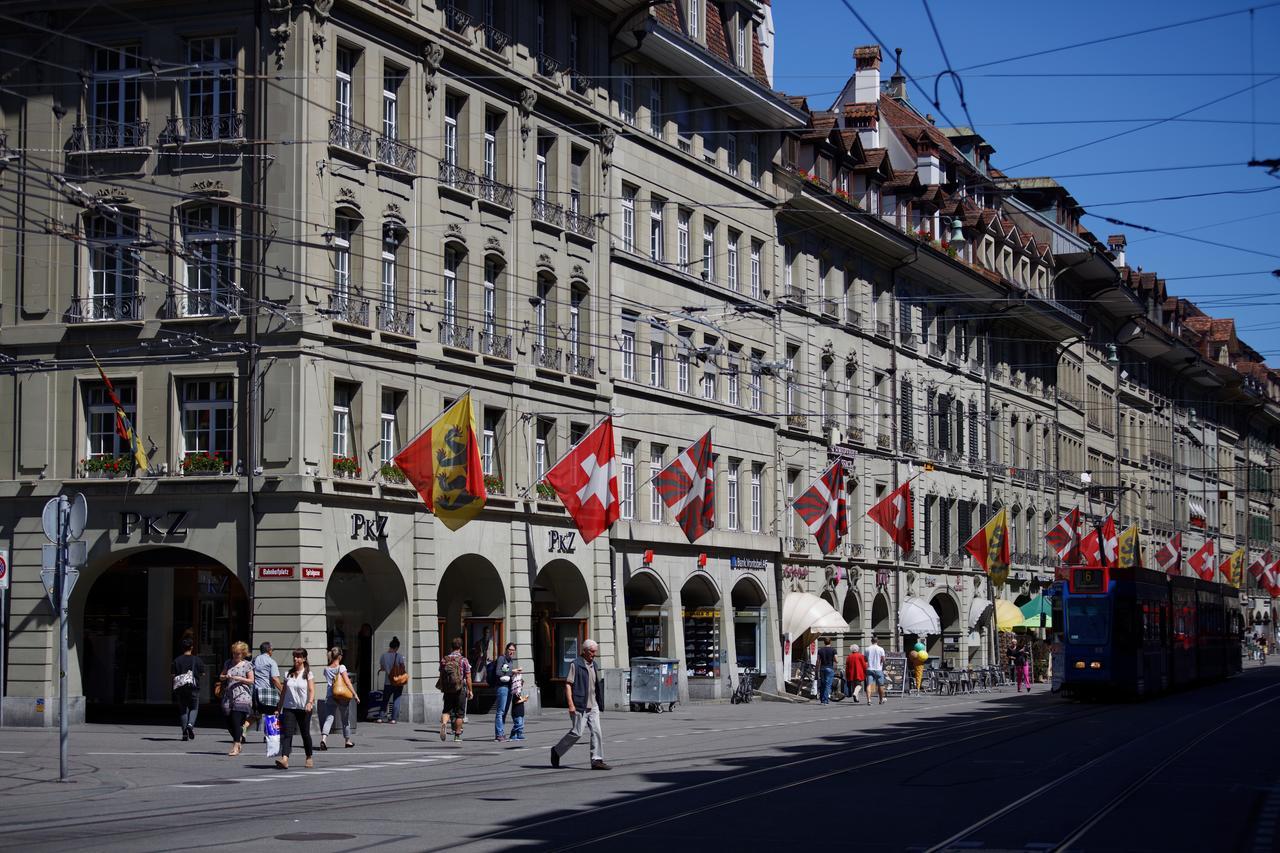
(455, 684)
(584, 688)
(518, 701)
(1022, 665)
(266, 683)
(503, 669)
(339, 701)
(875, 669)
(188, 674)
(296, 704)
(392, 663)
(826, 670)
(237, 693)
(855, 672)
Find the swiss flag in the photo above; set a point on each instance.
(1270, 579)
(1169, 557)
(586, 480)
(1110, 541)
(1202, 561)
(1091, 549)
(895, 515)
(822, 507)
(688, 487)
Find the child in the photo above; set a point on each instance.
(518, 700)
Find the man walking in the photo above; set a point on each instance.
(504, 668)
(826, 670)
(855, 672)
(266, 684)
(585, 691)
(875, 669)
(455, 684)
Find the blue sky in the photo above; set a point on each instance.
(1198, 64)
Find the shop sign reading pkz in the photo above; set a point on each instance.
(165, 525)
(372, 529)
(561, 543)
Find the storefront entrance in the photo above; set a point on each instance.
(365, 606)
(702, 653)
(946, 646)
(749, 626)
(852, 614)
(472, 605)
(561, 606)
(882, 627)
(648, 616)
(134, 619)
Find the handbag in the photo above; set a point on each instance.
(271, 728)
(217, 689)
(398, 675)
(340, 692)
(184, 679)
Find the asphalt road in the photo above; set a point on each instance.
(1198, 771)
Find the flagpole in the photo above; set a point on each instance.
(432, 422)
(525, 494)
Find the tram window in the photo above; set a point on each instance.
(1088, 622)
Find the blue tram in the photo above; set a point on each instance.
(1137, 632)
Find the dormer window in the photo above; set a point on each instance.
(744, 37)
(694, 18)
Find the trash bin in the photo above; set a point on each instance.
(654, 683)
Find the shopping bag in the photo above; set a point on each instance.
(271, 728)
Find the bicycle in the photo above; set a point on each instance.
(745, 689)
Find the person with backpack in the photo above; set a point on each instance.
(455, 684)
(500, 677)
(392, 663)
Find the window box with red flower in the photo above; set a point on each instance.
(346, 467)
(201, 464)
(106, 467)
(493, 484)
(391, 473)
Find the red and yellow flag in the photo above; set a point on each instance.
(124, 427)
(1130, 556)
(1232, 568)
(990, 547)
(443, 463)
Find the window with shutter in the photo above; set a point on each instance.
(959, 443)
(906, 426)
(973, 430)
(944, 528)
(930, 403)
(965, 521)
(944, 422)
(928, 523)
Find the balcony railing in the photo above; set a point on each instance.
(884, 552)
(458, 337)
(909, 340)
(548, 212)
(796, 420)
(454, 176)
(548, 66)
(830, 421)
(580, 224)
(494, 39)
(545, 357)
(110, 135)
(854, 549)
(910, 445)
(581, 365)
(179, 305)
(395, 322)
(796, 544)
(491, 190)
(457, 20)
(344, 134)
(580, 83)
(495, 345)
(349, 309)
(397, 154)
(179, 130)
(884, 441)
(103, 309)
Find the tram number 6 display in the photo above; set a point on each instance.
(1093, 579)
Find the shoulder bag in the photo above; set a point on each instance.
(340, 692)
(399, 676)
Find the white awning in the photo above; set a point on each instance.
(979, 608)
(804, 611)
(1195, 508)
(916, 616)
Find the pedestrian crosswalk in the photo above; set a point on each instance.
(298, 772)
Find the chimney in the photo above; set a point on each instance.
(866, 86)
(898, 82)
(1116, 243)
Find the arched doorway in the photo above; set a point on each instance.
(648, 631)
(946, 647)
(881, 620)
(561, 608)
(365, 607)
(852, 614)
(701, 620)
(749, 624)
(135, 616)
(472, 604)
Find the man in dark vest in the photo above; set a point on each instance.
(584, 688)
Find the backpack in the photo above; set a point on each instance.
(491, 673)
(451, 674)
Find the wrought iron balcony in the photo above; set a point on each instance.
(395, 322)
(492, 191)
(910, 445)
(180, 304)
(494, 39)
(179, 130)
(110, 136)
(796, 544)
(548, 66)
(884, 441)
(545, 357)
(458, 337)
(495, 345)
(455, 177)
(349, 309)
(457, 20)
(548, 212)
(581, 365)
(580, 224)
(937, 454)
(397, 154)
(580, 83)
(351, 137)
(854, 549)
(884, 552)
(830, 421)
(106, 308)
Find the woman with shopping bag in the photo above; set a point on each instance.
(341, 694)
(236, 683)
(296, 704)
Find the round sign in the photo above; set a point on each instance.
(4, 570)
(77, 517)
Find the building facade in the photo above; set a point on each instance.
(292, 233)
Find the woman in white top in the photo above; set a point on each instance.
(335, 672)
(297, 701)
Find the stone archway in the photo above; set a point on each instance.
(882, 626)
(471, 603)
(366, 606)
(561, 622)
(647, 605)
(750, 625)
(948, 610)
(700, 600)
(851, 612)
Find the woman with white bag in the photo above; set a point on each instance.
(188, 673)
(341, 694)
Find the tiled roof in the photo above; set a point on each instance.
(901, 180)
(800, 102)
(915, 130)
(671, 15)
(861, 115)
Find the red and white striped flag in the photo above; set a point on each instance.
(822, 507)
(1203, 561)
(1260, 565)
(688, 487)
(1169, 557)
(1065, 538)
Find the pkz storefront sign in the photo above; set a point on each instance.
(371, 528)
(164, 525)
(562, 542)
(749, 564)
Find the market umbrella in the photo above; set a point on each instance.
(979, 609)
(804, 611)
(1033, 608)
(1008, 616)
(917, 617)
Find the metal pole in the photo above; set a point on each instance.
(64, 511)
(4, 639)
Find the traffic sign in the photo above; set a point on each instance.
(77, 554)
(48, 577)
(78, 516)
(4, 570)
(50, 517)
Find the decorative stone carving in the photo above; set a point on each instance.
(347, 198)
(432, 57)
(453, 230)
(544, 263)
(579, 272)
(393, 213)
(607, 140)
(211, 188)
(528, 98)
(493, 246)
(113, 195)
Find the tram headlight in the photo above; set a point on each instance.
(1095, 665)
(1079, 664)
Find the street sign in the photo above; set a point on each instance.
(49, 577)
(49, 519)
(78, 516)
(49, 557)
(4, 571)
(77, 554)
